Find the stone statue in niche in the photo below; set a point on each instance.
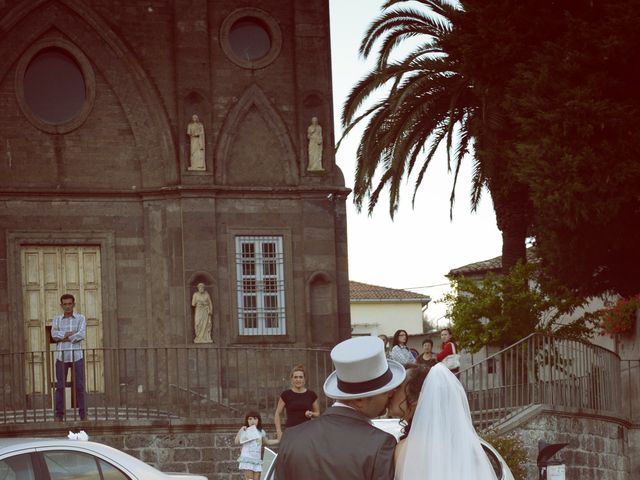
(195, 130)
(202, 315)
(314, 134)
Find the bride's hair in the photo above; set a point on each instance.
(416, 375)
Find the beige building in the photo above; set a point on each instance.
(478, 270)
(377, 310)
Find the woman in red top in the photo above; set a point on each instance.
(448, 347)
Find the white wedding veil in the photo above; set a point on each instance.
(442, 443)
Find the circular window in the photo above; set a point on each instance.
(55, 85)
(251, 38)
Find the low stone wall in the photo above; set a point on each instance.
(633, 450)
(201, 447)
(598, 446)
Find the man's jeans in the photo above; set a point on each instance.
(62, 370)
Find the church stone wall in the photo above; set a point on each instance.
(121, 168)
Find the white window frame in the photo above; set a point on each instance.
(260, 284)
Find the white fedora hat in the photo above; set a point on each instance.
(362, 370)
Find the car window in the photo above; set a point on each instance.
(495, 463)
(18, 467)
(109, 472)
(71, 466)
(268, 458)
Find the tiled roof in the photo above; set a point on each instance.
(364, 292)
(486, 266)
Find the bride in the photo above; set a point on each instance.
(438, 441)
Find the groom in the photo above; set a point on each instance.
(342, 443)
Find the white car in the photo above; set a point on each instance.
(65, 459)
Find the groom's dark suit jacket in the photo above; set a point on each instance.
(340, 444)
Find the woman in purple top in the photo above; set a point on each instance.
(300, 403)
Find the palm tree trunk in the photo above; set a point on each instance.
(514, 235)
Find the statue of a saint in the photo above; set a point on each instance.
(314, 134)
(202, 315)
(195, 130)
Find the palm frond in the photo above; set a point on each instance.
(437, 136)
(428, 103)
(395, 25)
(364, 89)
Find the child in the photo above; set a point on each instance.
(251, 436)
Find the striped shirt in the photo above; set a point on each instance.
(71, 349)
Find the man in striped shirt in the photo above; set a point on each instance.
(69, 331)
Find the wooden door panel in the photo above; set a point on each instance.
(33, 306)
(71, 270)
(91, 304)
(91, 270)
(47, 273)
(31, 269)
(51, 269)
(51, 304)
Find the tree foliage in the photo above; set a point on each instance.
(426, 102)
(501, 309)
(542, 97)
(512, 450)
(445, 92)
(575, 107)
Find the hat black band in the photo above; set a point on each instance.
(368, 386)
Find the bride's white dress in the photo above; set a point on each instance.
(442, 443)
(401, 451)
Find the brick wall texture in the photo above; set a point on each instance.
(598, 448)
(120, 166)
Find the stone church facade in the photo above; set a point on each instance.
(110, 193)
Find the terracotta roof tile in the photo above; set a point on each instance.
(364, 292)
(485, 266)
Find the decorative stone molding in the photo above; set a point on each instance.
(254, 98)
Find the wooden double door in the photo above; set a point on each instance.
(47, 273)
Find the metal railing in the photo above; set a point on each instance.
(630, 375)
(542, 369)
(217, 382)
(151, 383)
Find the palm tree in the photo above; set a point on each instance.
(432, 100)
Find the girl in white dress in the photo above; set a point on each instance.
(251, 436)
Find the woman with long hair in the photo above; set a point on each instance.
(449, 347)
(400, 351)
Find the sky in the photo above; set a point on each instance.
(416, 249)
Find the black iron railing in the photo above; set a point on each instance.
(211, 381)
(542, 369)
(169, 382)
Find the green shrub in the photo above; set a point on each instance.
(512, 450)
